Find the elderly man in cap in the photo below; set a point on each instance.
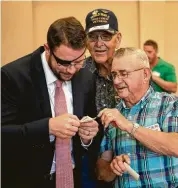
(103, 37)
(143, 128)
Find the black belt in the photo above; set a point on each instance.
(50, 177)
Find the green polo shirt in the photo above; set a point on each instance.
(166, 71)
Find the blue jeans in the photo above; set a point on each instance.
(86, 182)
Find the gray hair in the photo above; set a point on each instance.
(138, 53)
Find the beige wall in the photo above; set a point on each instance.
(62, 9)
(24, 24)
(17, 30)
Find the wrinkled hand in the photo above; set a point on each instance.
(64, 126)
(114, 117)
(117, 164)
(88, 131)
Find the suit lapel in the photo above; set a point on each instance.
(78, 100)
(39, 81)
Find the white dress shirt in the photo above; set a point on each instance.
(67, 88)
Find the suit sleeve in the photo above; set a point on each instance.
(92, 112)
(13, 130)
(93, 149)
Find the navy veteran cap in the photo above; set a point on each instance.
(101, 19)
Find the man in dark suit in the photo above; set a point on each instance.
(28, 122)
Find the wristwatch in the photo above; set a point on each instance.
(134, 128)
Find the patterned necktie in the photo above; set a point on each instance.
(64, 171)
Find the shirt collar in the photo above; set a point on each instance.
(92, 67)
(50, 77)
(90, 64)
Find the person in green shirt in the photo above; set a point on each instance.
(163, 73)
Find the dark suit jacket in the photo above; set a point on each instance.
(27, 153)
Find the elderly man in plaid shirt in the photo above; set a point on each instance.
(142, 130)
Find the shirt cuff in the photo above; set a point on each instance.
(86, 145)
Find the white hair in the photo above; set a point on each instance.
(138, 53)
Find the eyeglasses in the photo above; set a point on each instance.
(68, 64)
(93, 37)
(122, 74)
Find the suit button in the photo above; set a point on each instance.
(38, 146)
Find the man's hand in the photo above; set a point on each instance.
(88, 131)
(114, 117)
(64, 126)
(155, 77)
(117, 164)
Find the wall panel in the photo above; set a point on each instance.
(158, 21)
(24, 24)
(17, 30)
(46, 12)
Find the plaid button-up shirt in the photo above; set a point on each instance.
(155, 170)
